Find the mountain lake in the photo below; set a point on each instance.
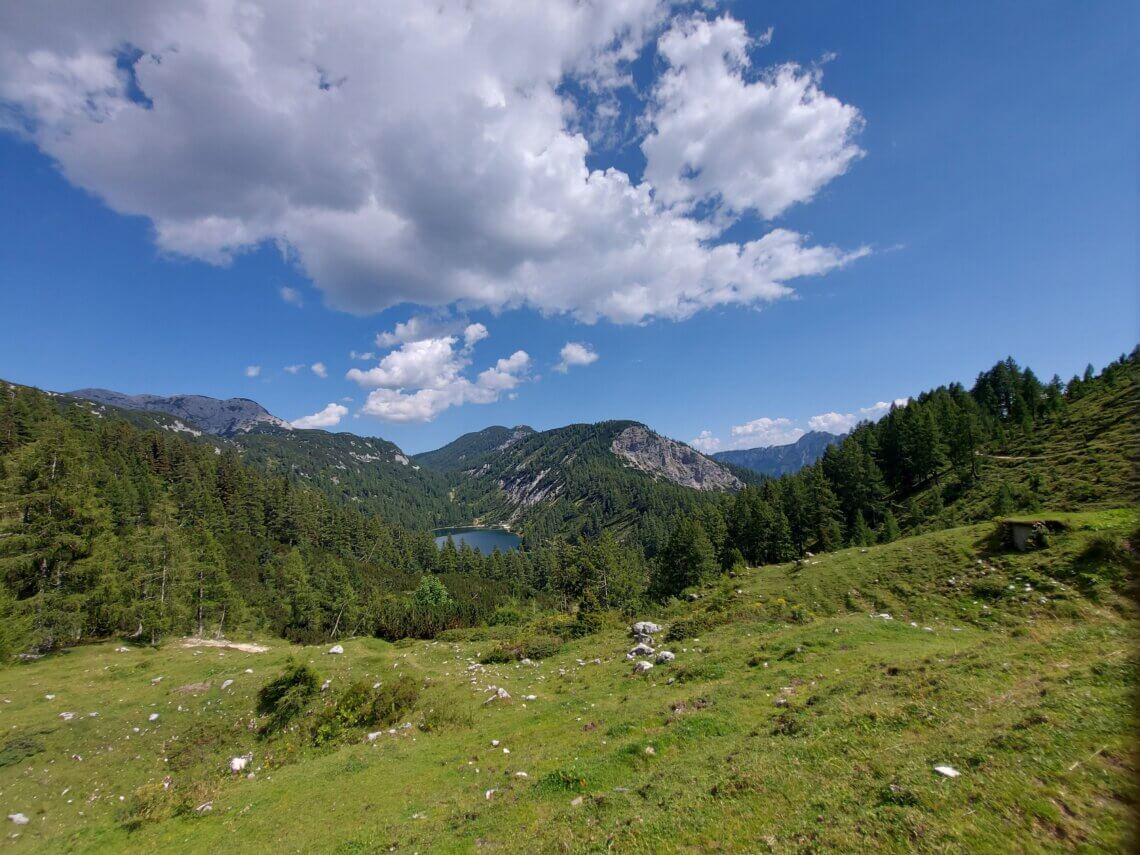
(484, 540)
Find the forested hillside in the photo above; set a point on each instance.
(568, 482)
(110, 530)
(950, 456)
(371, 474)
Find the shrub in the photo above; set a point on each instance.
(284, 698)
(692, 628)
(360, 705)
(531, 647)
(506, 616)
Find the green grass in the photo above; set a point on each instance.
(1031, 701)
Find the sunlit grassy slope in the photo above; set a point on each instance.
(794, 718)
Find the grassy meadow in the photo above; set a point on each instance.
(796, 717)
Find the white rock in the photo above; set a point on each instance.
(152, 717)
(501, 694)
(122, 650)
(50, 697)
(521, 775)
(156, 680)
(642, 666)
(18, 818)
(335, 649)
(325, 685)
(372, 737)
(641, 650)
(238, 764)
(947, 771)
(67, 716)
(249, 670)
(530, 698)
(494, 743)
(665, 656)
(227, 683)
(645, 627)
(487, 795)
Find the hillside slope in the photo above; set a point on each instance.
(583, 479)
(796, 715)
(369, 473)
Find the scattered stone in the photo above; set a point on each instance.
(645, 627)
(372, 737)
(238, 764)
(487, 795)
(500, 694)
(226, 684)
(205, 807)
(781, 702)
(642, 666)
(122, 650)
(530, 697)
(576, 801)
(641, 650)
(18, 818)
(494, 743)
(947, 771)
(49, 697)
(67, 716)
(650, 750)
(521, 775)
(152, 717)
(665, 656)
(336, 649)
(156, 680)
(325, 685)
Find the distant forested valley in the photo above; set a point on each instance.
(111, 528)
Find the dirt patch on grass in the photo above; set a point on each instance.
(244, 647)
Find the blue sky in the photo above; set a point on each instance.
(990, 209)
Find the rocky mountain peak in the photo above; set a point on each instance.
(672, 460)
(213, 415)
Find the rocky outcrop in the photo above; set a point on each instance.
(672, 460)
(213, 415)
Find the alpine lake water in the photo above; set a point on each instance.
(485, 540)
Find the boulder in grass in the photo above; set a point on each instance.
(665, 656)
(238, 764)
(947, 771)
(642, 649)
(642, 666)
(645, 627)
(18, 818)
(336, 649)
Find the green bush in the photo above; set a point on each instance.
(360, 705)
(531, 647)
(694, 627)
(285, 697)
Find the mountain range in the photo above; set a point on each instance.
(578, 479)
(777, 460)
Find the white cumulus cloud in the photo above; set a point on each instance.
(292, 296)
(765, 431)
(319, 369)
(420, 379)
(252, 370)
(293, 369)
(328, 417)
(843, 422)
(575, 353)
(705, 442)
(428, 152)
